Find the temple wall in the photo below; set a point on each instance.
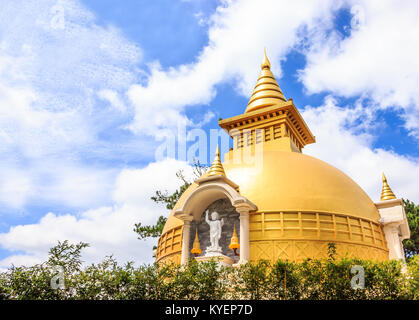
(295, 236)
(170, 245)
(301, 235)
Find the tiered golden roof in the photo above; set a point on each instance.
(267, 91)
(386, 193)
(216, 167)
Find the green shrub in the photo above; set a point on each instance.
(311, 279)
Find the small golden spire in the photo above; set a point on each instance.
(265, 62)
(267, 91)
(217, 167)
(196, 248)
(386, 193)
(234, 243)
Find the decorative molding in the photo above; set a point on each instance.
(395, 226)
(299, 250)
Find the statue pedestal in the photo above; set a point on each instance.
(213, 252)
(220, 258)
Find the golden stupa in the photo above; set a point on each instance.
(296, 204)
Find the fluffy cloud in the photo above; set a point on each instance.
(107, 229)
(346, 142)
(37, 147)
(56, 68)
(15, 188)
(56, 44)
(377, 60)
(237, 34)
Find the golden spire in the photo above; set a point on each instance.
(386, 193)
(234, 243)
(267, 91)
(265, 63)
(196, 248)
(217, 167)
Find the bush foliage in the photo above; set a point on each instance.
(310, 279)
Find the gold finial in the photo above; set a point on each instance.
(265, 62)
(217, 167)
(386, 193)
(196, 248)
(267, 91)
(234, 243)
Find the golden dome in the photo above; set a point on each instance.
(298, 188)
(291, 181)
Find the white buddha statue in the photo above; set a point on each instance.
(216, 225)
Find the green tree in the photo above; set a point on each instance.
(254, 280)
(153, 231)
(66, 255)
(411, 246)
(34, 282)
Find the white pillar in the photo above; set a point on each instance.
(244, 234)
(185, 240)
(395, 226)
(391, 232)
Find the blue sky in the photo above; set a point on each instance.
(87, 87)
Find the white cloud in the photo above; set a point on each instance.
(80, 54)
(113, 98)
(71, 185)
(15, 188)
(51, 119)
(34, 132)
(107, 229)
(379, 59)
(346, 145)
(39, 155)
(238, 32)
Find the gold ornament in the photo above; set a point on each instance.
(386, 193)
(217, 167)
(234, 243)
(196, 248)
